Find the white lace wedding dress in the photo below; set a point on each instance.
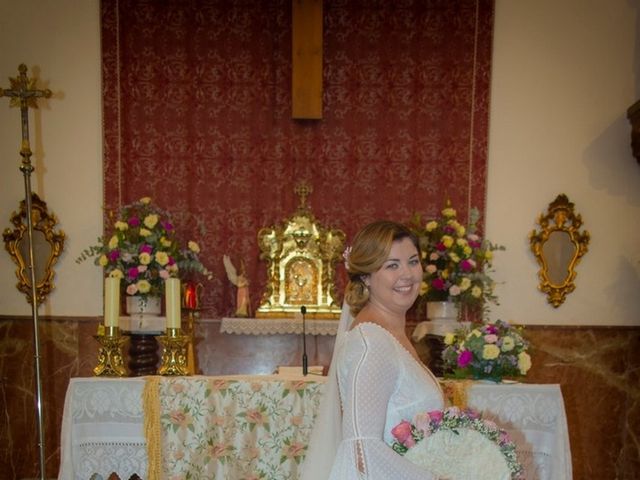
(380, 385)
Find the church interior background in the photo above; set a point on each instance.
(471, 101)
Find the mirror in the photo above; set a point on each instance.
(558, 247)
(47, 247)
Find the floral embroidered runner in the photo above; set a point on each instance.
(243, 428)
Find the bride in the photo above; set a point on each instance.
(376, 379)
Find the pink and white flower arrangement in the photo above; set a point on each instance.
(456, 259)
(493, 350)
(143, 250)
(457, 444)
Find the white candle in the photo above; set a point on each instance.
(172, 297)
(111, 301)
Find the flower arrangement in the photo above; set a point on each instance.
(456, 259)
(142, 250)
(490, 351)
(457, 444)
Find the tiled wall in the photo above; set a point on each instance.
(598, 369)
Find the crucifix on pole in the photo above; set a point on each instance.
(23, 94)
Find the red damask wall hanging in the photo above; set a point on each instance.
(197, 115)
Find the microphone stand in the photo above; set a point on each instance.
(305, 366)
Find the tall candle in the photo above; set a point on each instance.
(172, 296)
(111, 301)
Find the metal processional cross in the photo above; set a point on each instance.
(24, 94)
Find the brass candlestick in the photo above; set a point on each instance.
(110, 363)
(174, 353)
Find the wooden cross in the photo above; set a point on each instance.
(23, 93)
(306, 59)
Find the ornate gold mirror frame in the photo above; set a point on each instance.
(47, 247)
(558, 247)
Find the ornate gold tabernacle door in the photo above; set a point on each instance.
(301, 255)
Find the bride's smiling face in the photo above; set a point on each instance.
(397, 284)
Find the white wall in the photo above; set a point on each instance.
(564, 74)
(61, 40)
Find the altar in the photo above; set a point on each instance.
(235, 427)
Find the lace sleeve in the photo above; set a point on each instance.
(369, 378)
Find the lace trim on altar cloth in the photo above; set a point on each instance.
(100, 460)
(278, 326)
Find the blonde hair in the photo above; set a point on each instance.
(370, 249)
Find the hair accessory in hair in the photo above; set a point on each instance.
(345, 255)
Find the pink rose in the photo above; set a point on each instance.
(465, 358)
(402, 433)
(491, 338)
(436, 415)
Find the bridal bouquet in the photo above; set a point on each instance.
(458, 445)
(493, 350)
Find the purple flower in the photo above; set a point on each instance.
(114, 255)
(438, 284)
(464, 359)
(440, 246)
(134, 222)
(167, 226)
(466, 265)
(146, 248)
(171, 261)
(133, 272)
(490, 329)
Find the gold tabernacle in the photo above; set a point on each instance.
(301, 255)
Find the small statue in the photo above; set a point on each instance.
(241, 282)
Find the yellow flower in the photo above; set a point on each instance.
(117, 273)
(424, 288)
(143, 286)
(476, 291)
(447, 241)
(465, 283)
(103, 260)
(165, 242)
(476, 333)
(449, 338)
(488, 254)
(150, 220)
(507, 344)
(454, 257)
(193, 246)
(162, 258)
(122, 226)
(145, 200)
(461, 242)
(445, 274)
(524, 362)
(113, 242)
(144, 232)
(461, 231)
(145, 258)
(449, 212)
(491, 351)
(467, 250)
(431, 226)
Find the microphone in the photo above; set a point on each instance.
(305, 367)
